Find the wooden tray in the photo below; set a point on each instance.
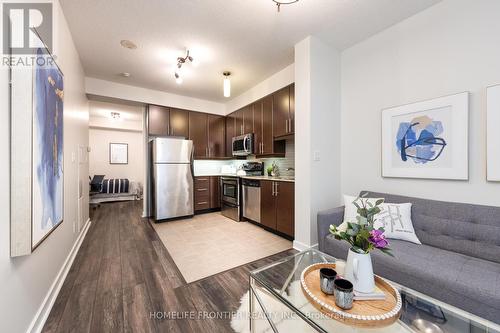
(368, 314)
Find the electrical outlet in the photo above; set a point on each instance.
(316, 156)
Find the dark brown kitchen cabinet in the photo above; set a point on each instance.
(198, 132)
(282, 121)
(263, 129)
(267, 204)
(230, 133)
(214, 192)
(216, 136)
(206, 193)
(238, 122)
(292, 109)
(277, 206)
(248, 119)
(179, 123)
(285, 208)
(158, 120)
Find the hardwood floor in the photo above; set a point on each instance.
(124, 280)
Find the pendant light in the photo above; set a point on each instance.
(284, 2)
(227, 84)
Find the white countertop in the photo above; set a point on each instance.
(277, 179)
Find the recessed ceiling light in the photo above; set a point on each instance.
(125, 74)
(128, 44)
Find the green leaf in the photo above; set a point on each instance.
(362, 220)
(379, 202)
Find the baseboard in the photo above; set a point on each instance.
(302, 247)
(42, 314)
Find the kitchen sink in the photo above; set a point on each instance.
(286, 177)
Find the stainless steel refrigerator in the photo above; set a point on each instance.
(171, 178)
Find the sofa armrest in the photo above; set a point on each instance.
(325, 219)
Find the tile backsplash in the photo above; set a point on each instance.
(209, 167)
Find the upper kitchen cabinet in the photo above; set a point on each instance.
(248, 119)
(179, 123)
(158, 120)
(238, 122)
(198, 132)
(282, 117)
(216, 136)
(230, 133)
(292, 108)
(263, 129)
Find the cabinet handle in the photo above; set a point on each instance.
(202, 189)
(206, 151)
(273, 189)
(290, 126)
(286, 126)
(202, 203)
(277, 185)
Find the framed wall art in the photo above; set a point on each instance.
(493, 133)
(427, 139)
(37, 152)
(118, 153)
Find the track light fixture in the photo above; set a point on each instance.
(181, 61)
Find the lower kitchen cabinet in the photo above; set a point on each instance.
(277, 206)
(206, 193)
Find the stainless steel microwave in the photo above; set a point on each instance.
(243, 145)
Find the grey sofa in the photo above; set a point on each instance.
(457, 263)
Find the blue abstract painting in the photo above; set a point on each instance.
(420, 140)
(48, 93)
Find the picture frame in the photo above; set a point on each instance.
(37, 151)
(492, 133)
(427, 139)
(118, 153)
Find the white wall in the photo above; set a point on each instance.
(273, 83)
(130, 116)
(450, 47)
(131, 93)
(27, 280)
(317, 135)
(99, 140)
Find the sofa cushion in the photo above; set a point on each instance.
(454, 278)
(472, 230)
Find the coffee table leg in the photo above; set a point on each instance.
(252, 304)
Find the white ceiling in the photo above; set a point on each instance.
(247, 37)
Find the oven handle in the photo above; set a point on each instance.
(245, 144)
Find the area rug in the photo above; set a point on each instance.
(208, 244)
(287, 321)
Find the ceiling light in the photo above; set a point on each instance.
(227, 84)
(115, 115)
(128, 44)
(125, 74)
(283, 2)
(181, 61)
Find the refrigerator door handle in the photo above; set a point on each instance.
(191, 162)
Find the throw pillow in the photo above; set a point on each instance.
(396, 221)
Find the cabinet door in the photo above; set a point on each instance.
(158, 120)
(285, 208)
(248, 119)
(216, 136)
(292, 109)
(257, 127)
(267, 126)
(179, 123)
(198, 132)
(215, 192)
(281, 112)
(230, 133)
(267, 204)
(238, 122)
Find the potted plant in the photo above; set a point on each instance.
(270, 170)
(363, 238)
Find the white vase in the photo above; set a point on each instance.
(359, 271)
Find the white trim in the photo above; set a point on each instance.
(303, 247)
(42, 314)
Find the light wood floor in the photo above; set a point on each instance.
(123, 274)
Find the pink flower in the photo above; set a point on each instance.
(377, 238)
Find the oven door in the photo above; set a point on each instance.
(230, 191)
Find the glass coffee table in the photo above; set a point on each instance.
(277, 304)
